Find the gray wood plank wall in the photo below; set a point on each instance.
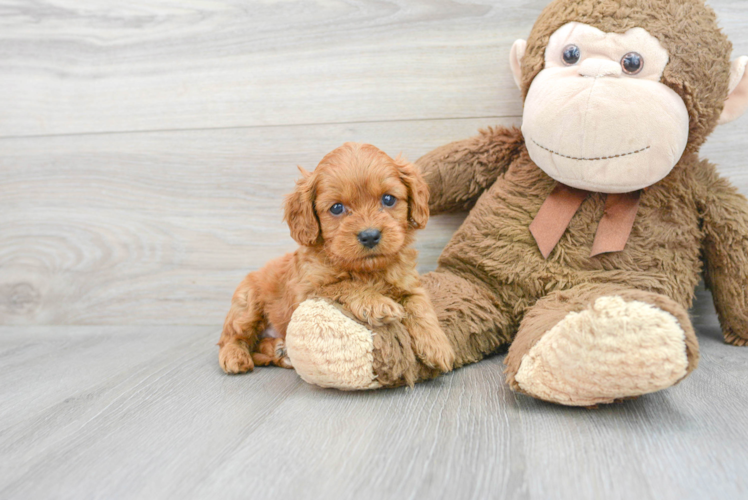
(145, 146)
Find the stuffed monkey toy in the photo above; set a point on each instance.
(589, 228)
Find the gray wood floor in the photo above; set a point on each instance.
(145, 412)
(144, 150)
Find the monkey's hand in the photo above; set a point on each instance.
(725, 227)
(458, 173)
(732, 338)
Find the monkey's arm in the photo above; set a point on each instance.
(725, 226)
(459, 172)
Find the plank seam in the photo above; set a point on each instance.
(248, 127)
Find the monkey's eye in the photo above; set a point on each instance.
(571, 55)
(632, 63)
(337, 209)
(388, 200)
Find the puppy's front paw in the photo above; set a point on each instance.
(379, 311)
(234, 357)
(435, 350)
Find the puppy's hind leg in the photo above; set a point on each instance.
(271, 351)
(244, 322)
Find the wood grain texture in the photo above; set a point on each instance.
(154, 228)
(72, 66)
(145, 412)
(145, 147)
(158, 226)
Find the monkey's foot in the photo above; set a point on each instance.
(611, 350)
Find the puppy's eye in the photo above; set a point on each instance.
(571, 55)
(388, 200)
(632, 63)
(337, 209)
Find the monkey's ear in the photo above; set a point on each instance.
(299, 211)
(515, 60)
(737, 100)
(418, 193)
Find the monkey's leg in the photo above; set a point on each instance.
(244, 322)
(600, 343)
(329, 348)
(476, 319)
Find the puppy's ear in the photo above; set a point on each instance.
(418, 193)
(299, 211)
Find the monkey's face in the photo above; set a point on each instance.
(597, 116)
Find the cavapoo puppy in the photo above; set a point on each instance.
(354, 217)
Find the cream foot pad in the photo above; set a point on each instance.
(329, 349)
(614, 349)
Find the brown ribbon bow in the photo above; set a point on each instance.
(557, 210)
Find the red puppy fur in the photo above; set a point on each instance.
(354, 218)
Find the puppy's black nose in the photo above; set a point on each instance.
(369, 237)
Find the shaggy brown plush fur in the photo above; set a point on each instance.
(377, 284)
(496, 273)
(492, 282)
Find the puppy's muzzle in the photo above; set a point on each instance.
(369, 237)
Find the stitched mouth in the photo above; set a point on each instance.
(590, 159)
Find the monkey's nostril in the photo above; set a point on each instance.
(369, 237)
